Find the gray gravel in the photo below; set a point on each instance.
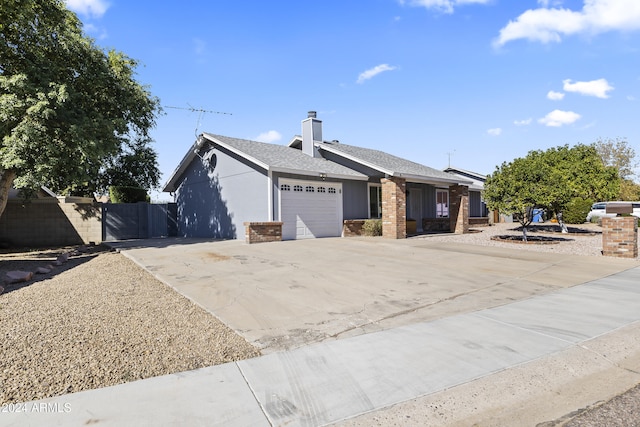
(98, 321)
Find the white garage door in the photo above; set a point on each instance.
(310, 209)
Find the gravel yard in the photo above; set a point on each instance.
(97, 321)
(585, 239)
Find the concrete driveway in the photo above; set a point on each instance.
(284, 295)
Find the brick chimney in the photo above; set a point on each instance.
(311, 132)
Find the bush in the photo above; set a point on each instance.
(122, 194)
(372, 227)
(576, 211)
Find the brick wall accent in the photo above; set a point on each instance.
(51, 222)
(436, 224)
(394, 208)
(459, 208)
(260, 232)
(352, 227)
(620, 237)
(479, 221)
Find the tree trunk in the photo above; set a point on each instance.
(6, 179)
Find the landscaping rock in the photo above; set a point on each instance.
(43, 270)
(63, 258)
(18, 276)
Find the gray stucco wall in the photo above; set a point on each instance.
(476, 207)
(215, 198)
(355, 200)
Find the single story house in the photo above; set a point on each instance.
(311, 187)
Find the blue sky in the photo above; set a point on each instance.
(478, 82)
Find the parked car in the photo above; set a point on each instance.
(600, 209)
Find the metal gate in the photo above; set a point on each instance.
(123, 221)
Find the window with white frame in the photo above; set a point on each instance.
(375, 201)
(442, 203)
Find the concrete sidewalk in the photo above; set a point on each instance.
(462, 331)
(334, 380)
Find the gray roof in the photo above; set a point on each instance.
(271, 157)
(467, 173)
(390, 164)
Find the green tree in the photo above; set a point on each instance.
(550, 179)
(135, 166)
(66, 105)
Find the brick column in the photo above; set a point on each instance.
(620, 237)
(459, 209)
(259, 232)
(394, 208)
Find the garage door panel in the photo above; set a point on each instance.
(310, 212)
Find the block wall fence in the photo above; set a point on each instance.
(51, 222)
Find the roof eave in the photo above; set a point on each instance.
(432, 180)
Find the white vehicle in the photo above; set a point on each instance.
(600, 209)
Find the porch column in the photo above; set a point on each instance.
(394, 208)
(459, 209)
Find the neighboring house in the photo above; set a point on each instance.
(312, 186)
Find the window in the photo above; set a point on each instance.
(332, 190)
(322, 190)
(375, 201)
(285, 187)
(310, 189)
(297, 188)
(442, 203)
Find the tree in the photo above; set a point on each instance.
(513, 188)
(550, 180)
(65, 105)
(617, 153)
(135, 166)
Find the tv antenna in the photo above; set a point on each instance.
(201, 112)
(450, 153)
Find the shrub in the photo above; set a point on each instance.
(122, 194)
(372, 227)
(576, 211)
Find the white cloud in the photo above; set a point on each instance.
(524, 122)
(631, 98)
(494, 131)
(555, 96)
(91, 8)
(597, 88)
(550, 25)
(269, 136)
(372, 72)
(558, 118)
(445, 6)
